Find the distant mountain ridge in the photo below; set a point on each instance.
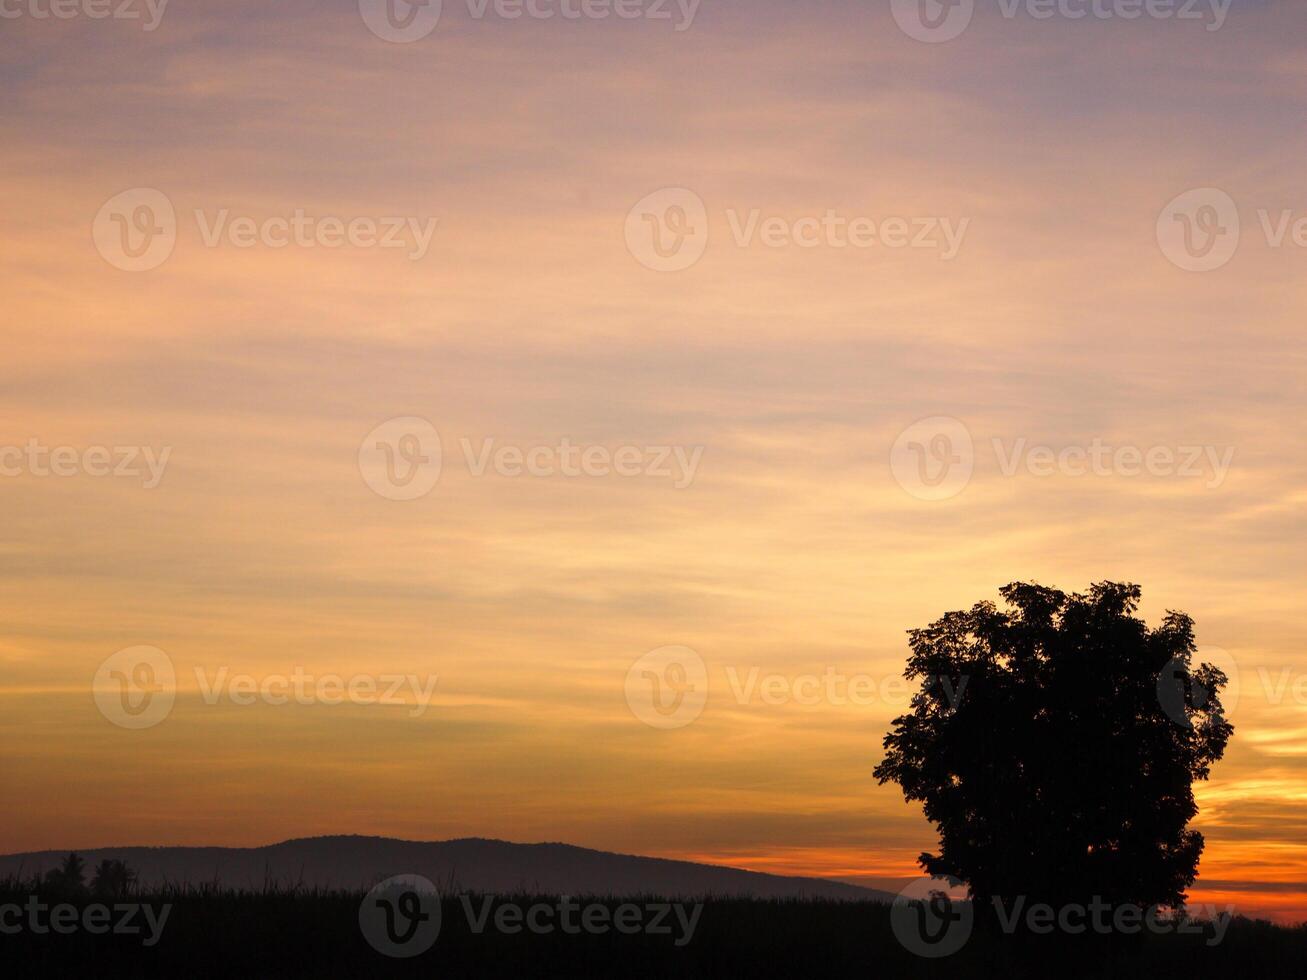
(469, 864)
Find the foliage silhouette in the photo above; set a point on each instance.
(70, 877)
(113, 879)
(1041, 749)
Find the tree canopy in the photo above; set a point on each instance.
(1058, 774)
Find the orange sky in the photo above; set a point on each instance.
(1052, 146)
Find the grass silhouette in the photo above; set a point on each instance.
(281, 931)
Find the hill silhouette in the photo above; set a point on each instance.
(469, 864)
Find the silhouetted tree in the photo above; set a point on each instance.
(1058, 774)
(69, 877)
(113, 878)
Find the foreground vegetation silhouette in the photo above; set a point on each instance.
(1054, 744)
(285, 932)
(112, 878)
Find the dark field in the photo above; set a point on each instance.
(211, 933)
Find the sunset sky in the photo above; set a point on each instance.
(798, 544)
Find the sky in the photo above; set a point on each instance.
(493, 356)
